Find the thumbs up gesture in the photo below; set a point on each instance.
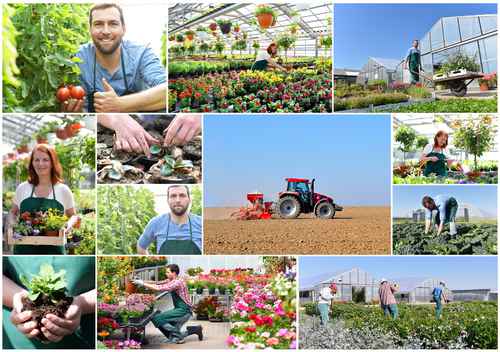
(107, 101)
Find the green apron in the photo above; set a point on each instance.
(34, 204)
(80, 278)
(451, 212)
(181, 308)
(179, 246)
(260, 65)
(440, 167)
(414, 66)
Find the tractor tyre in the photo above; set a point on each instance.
(325, 210)
(288, 207)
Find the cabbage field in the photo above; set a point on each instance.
(472, 238)
(463, 325)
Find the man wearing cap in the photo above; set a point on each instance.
(387, 300)
(324, 303)
(439, 296)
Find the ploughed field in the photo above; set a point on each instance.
(356, 230)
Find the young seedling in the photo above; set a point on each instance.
(46, 294)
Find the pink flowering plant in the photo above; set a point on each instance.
(264, 316)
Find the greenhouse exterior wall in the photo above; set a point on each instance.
(377, 68)
(474, 295)
(475, 36)
(418, 290)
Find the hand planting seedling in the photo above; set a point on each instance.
(46, 295)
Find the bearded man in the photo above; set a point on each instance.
(177, 232)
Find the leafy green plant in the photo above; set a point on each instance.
(219, 46)
(476, 136)
(49, 36)
(9, 68)
(47, 282)
(285, 41)
(460, 61)
(264, 9)
(123, 212)
(55, 220)
(406, 136)
(449, 106)
(421, 142)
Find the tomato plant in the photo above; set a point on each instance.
(49, 36)
(124, 212)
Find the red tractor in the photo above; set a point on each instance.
(300, 197)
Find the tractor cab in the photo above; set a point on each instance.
(301, 186)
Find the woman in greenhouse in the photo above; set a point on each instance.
(43, 190)
(435, 156)
(264, 60)
(324, 303)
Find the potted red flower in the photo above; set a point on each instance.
(266, 16)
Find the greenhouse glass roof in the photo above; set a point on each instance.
(313, 20)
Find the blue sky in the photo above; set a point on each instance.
(387, 30)
(348, 156)
(459, 272)
(406, 198)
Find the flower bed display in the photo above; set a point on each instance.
(225, 280)
(302, 90)
(264, 316)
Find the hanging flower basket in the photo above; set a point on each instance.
(225, 26)
(213, 27)
(266, 16)
(190, 35)
(179, 38)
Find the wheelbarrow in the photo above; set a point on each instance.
(456, 81)
(140, 323)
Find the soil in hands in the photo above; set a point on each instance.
(43, 306)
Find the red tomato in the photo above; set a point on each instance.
(77, 92)
(63, 94)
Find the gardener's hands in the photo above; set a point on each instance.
(55, 328)
(433, 158)
(22, 320)
(138, 282)
(182, 129)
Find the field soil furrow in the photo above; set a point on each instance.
(356, 230)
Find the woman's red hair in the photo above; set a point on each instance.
(55, 172)
(439, 134)
(269, 48)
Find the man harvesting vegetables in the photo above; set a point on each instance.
(387, 300)
(445, 208)
(117, 75)
(413, 63)
(439, 296)
(171, 322)
(178, 232)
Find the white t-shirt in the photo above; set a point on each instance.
(262, 55)
(428, 149)
(63, 194)
(325, 296)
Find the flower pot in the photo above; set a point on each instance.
(41, 140)
(213, 27)
(483, 87)
(265, 20)
(199, 291)
(52, 233)
(23, 149)
(225, 28)
(211, 291)
(190, 36)
(130, 287)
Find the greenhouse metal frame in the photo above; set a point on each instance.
(311, 19)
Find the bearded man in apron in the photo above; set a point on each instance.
(178, 232)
